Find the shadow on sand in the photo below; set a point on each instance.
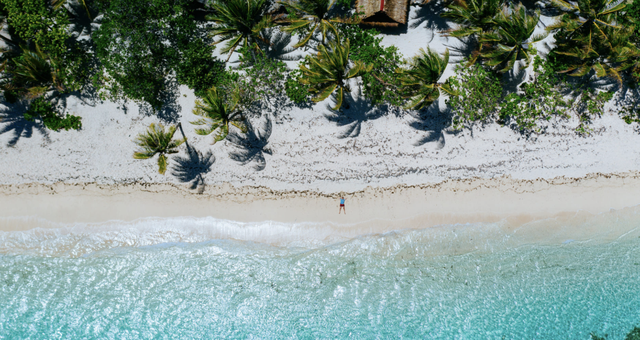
(251, 147)
(359, 111)
(433, 121)
(431, 14)
(193, 167)
(12, 121)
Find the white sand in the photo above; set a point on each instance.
(313, 149)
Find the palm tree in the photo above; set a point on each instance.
(606, 58)
(35, 72)
(311, 15)
(419, 83)
(218, 113)
(329, 71)
(584, 21)
(474, 17)
(157, 141)
(513, 40)
(239, 22)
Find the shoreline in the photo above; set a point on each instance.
(447, 202)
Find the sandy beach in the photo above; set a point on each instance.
(391, 165)
(369, 211)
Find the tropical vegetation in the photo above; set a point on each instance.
(329, 71)
(420, 81)
(143, 50)
(239, 22)
(157, 141)
(309, 17)
(218, 112)
(512, 39)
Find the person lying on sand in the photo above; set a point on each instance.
(342, 206)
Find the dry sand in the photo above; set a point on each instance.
(449, 202)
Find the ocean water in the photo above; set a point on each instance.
(169, 279)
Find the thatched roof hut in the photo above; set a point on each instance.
(388, 13)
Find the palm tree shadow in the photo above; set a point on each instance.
(252, 146)
(463, 49)
(191, 169)
(279, 46)
(512, 79)
(433, 121)
(359, 111)
(431, 14)
(12, 116)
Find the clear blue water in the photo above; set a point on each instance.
(67, 284)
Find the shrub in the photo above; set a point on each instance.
(479, 94)
(33, 22)
(380, 85)
(43, 110)
(295, 90)
(537, 101)
(264, 77)
(141, 42)
(198, 69)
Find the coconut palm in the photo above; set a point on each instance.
(312, 15)
(513, 39)
(239, 22)
(419, 83)
(218, 113)
(472, 16)
(35, 72)
(606, 59)
(157, 141)
(329, 71)
(584, 21)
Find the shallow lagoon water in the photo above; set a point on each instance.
(475, 281)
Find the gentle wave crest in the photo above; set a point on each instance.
(176, 278)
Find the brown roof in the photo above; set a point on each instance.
(383, 12)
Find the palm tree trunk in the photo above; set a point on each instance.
(185, 137)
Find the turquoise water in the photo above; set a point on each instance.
(165, 283)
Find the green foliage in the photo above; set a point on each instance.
(43, 110)
(198, 69)
(634, 334)
(512, 40)
(295, 90)
(473, 16)
(157, 141)
(35, 23)
(329, 70)
(537, 101)
(33, 73)
(306, 17)
(588, 104)
(479, 94)
(264, 78)
(217, 111)
(348, 4)
(633, 14)
(140, 43)
(381, 84)
(239, 22)
(589, 37)
(420, 81)
(583, 22)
